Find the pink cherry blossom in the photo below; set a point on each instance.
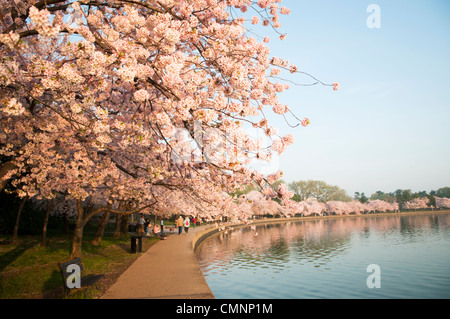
(305, 122)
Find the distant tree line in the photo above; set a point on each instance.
(401, 196)
(324, 193)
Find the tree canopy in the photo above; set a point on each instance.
(94, 94)
(120, 100)
(319, 190)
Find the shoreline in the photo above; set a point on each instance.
(212, 229)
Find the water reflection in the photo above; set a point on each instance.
(328, 258)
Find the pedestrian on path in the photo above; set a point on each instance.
(186, 224)
(180, 225)
(194, 221)
(141, 225)
(147, 222)
(162, 227)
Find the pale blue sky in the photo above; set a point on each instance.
(387, 127)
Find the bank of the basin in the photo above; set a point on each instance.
(209, 230)
(331, 257)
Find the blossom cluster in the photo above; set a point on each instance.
(13, 108)
(10, 39)
(41, 19)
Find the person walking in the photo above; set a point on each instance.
(180, 225)
(162, 227)
(194, 221)
(186, 224)
(141, 225)
(147, 222)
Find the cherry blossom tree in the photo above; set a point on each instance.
(355, 206)
(336, 207)
(442, 202)
(417, 203)
(261, 205)
(312, 206)
(381, 206)
(94, 92)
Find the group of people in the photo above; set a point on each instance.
(144, 225)
(180, 223)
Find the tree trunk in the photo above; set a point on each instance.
(124, 225)
(117, 226)
(78, 232)
(100, 229)
(16, 226)
(82, 219)
(44, 227)
(121, 222)
(66, 223)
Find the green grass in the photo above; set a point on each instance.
(29, 271)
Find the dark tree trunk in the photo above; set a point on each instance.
(78, 232)
(84, 215)
(124, 225)
(103, 222)
(44, 227)
(66, 223)
(16, 226)
(117, 226)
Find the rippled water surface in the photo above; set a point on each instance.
(329, 258)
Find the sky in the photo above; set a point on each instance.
(387, 127)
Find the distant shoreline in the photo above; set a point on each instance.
(212, 229)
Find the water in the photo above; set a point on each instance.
(329, 259)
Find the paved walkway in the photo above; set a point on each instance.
(167, 270)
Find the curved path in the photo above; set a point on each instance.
(167, 270)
